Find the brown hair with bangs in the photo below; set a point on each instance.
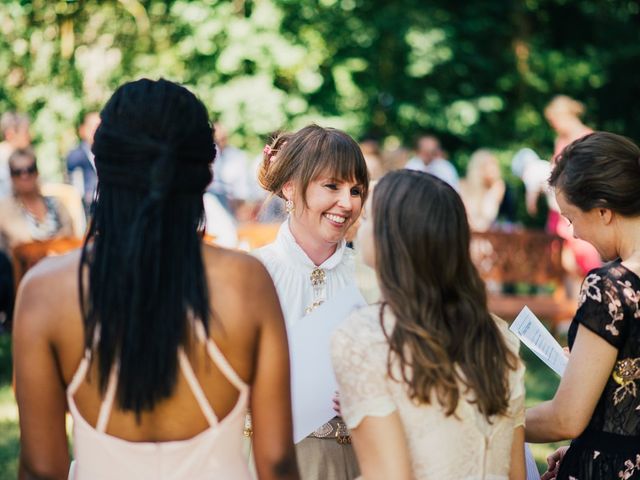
(444, 338)
(303, 156)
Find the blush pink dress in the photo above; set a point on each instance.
(215, 453)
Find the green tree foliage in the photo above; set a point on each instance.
(474, 73)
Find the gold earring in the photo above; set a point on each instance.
(288, 206)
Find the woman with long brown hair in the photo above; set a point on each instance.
(430, 382)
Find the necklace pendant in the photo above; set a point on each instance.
(318, 277)
(313, 306)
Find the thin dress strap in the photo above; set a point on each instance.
(196, 389)
(80, 374)
(83, 368)
(219, 359)
(107, 403)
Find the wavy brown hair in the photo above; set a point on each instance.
(444, 336)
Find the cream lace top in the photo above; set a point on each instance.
(461, 446)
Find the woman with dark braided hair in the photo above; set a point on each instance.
(430, 382)
(155, 342)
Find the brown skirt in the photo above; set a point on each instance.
(326, 459)
(319, 458)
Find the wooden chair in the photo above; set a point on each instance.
(523, 259)
(27, 255)
(257, 235)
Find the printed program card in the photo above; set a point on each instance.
(313, 384)
(530, 330)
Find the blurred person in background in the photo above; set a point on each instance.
(534, 173)
(423, 400)
(220, 226)
(396, 158)
(27, 215)
(230, 175)
(15, 135)
(483, 190)
(373, 156)
(322, 176)
(80, 167)
(564, 115)
(578, 256)
(430, 158)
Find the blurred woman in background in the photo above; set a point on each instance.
(27, 215)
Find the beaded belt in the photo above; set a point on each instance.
(335, 428)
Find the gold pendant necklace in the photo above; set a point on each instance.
(318, 279)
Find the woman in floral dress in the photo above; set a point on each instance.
(597, 183)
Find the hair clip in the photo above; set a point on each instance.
(270, 153)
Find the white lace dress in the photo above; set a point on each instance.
(462, 446)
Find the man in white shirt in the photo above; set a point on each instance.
(429, 159)
(534, 173)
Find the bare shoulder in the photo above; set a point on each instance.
(240, 287)
(236, 269)
(48, 292)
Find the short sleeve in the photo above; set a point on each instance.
(359, 355)
(600, 308)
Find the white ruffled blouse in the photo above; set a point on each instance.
(290, 269)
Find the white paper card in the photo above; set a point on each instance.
(313, 384)
(530, 330)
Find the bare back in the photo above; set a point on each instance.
(247, 328)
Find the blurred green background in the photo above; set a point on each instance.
(477, 74)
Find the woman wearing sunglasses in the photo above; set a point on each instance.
(27, 215)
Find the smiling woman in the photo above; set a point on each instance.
(597, 184)
(322, 175)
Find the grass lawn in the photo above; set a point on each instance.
(541, 384)
(9, 431)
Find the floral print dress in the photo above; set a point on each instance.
(609, 448)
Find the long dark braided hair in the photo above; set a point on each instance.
(146, 279)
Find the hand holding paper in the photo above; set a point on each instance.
(313, 384)
(530, 330)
